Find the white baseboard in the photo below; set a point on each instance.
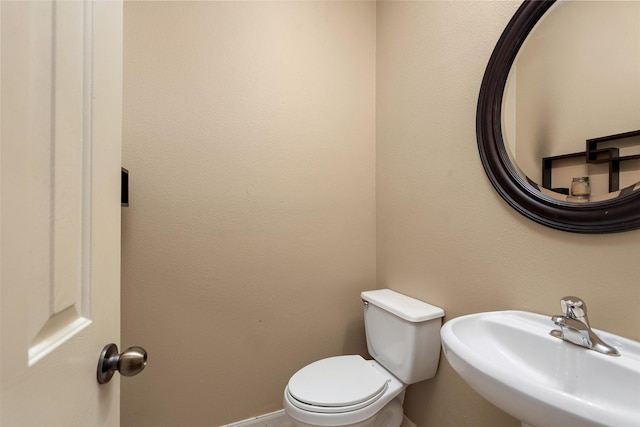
(273, 419)
(406, 422)
(279, 419)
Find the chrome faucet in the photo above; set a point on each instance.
(574, 327)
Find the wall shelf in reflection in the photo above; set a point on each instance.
(598, 151)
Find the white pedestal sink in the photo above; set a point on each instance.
(510, 359)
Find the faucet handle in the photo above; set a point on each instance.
(574, 307)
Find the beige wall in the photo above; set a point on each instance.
(249, 133)
(444, 235)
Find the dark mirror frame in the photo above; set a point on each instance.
(611, 216)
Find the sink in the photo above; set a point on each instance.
(510, 359)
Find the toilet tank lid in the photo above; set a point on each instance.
(403, 306)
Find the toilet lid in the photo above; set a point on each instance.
(338, 382)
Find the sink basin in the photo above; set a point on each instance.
(510, 359)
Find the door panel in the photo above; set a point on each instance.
(60, 209)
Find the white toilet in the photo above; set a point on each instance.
(403, 336)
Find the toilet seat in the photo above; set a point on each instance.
(337, 385)
(304, 414)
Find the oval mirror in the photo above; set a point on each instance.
(521, 115)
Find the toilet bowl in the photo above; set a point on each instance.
(343, 391)
(403, 336)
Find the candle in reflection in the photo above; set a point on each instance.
(581, 186)
(580, 189)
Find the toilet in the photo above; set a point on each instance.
(403, 337)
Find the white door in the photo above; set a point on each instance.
(61, 85)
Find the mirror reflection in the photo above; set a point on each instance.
(571, 107)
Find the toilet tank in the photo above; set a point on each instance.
(403, 334)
